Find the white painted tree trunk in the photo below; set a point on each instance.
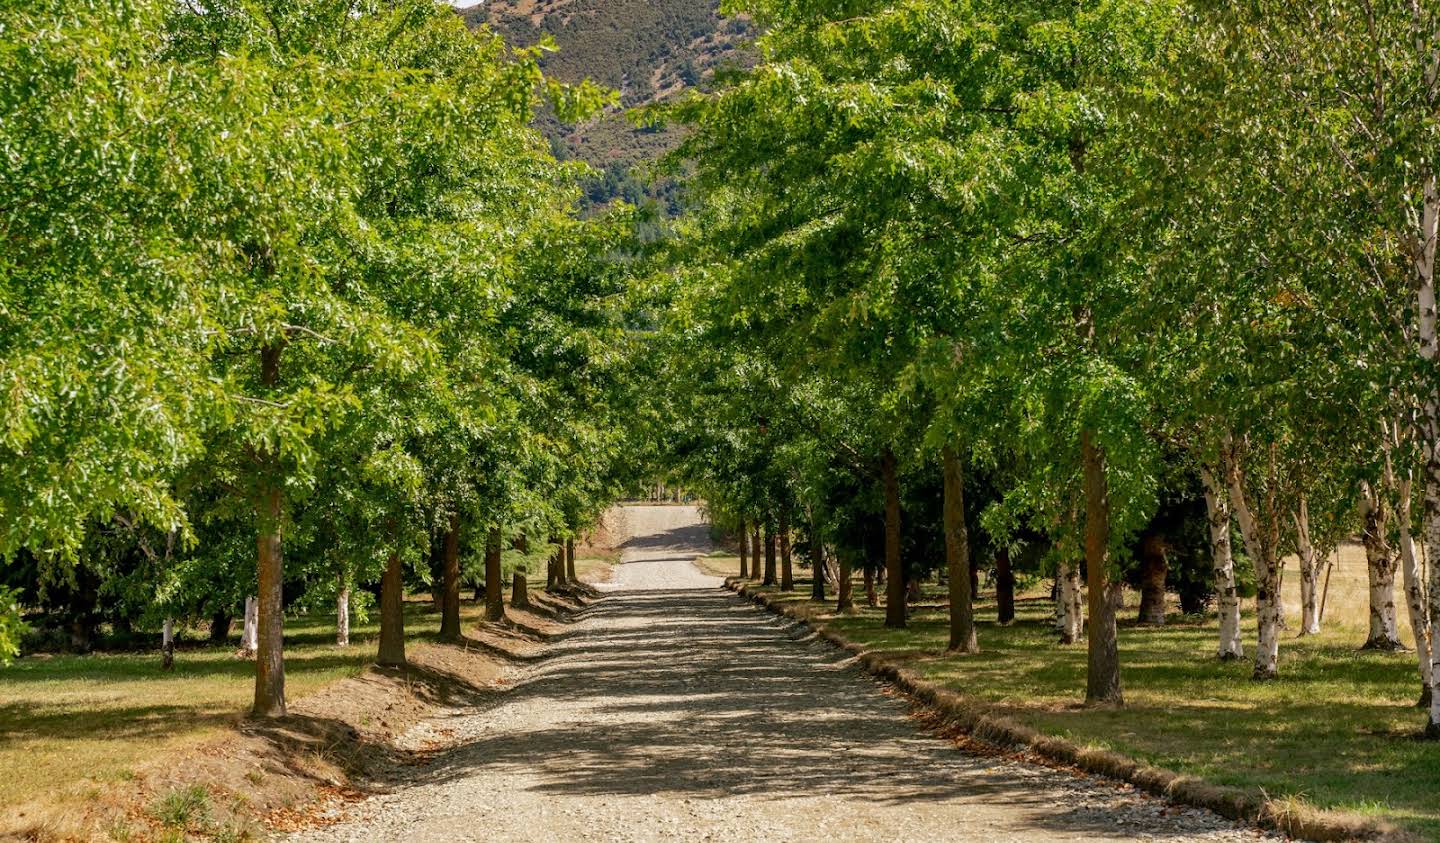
(1267, 580)
(1309, 571)
(250, 637)
(1072, 616)
(342, 618)
(167, 644)
(1380, 570)
(1227, 599)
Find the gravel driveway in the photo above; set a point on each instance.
(677, 711)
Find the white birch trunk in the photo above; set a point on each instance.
(1072, 616)
(1267, 581)
(342, 618)
(1309, 571)
(250, 637)
(1415, 594)
(1217, 507)
(167, 644)
(1423, 262)
(1380, 571)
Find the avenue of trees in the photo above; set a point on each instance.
(1138, 290)
(295, 312)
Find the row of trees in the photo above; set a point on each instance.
(1110, 280)
(294, 300)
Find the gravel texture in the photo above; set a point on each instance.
(677, 711)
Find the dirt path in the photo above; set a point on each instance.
(676, 711)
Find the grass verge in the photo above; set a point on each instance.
(1335, 732)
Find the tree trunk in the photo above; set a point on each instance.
(1423, 272)
(1260, 543)
(817, 565)
(342, 615)
(392, 613)
(844, 583)
(1154, 567)
(1227, 597)
(494, 588)
(270, 606)
(957, 556)
(1102, 684)
(1309, 570)
(519, 589)
(871, 598)
(1004, 587)
(167, 645)
(1380, 570)
(450, 610)
(219, 627)
(744, 550)
(769, 552)
(554, 570)
(1415, 594)
(250, 632)
(570, 562)
(895, 587)
(755, 551)
(269, 612)
(1070, 611)
(787, 576)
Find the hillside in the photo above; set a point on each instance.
(647, 50)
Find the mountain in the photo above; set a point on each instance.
(648, 50)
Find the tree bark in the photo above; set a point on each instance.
(342, 615)
(787, 576)
(269, 612)
(392, 613)
(450, 609)
(755, 551)
(957, 556)
(871, 598)
(1260, 543)
(167, 645)
(494, 588)
(769, 552)
(1102, 684)
(1227, 597)
(1420, 622)
(1070, 612)
(519, 589)
(219, 627)
(744, 550)
(844, 583)
(817, 565)
(270, 608)
(1309, 570)
(895, 586)
(250, 632)
(1380, 570)
(1004, 587)
(1154, 567)
(570, 561)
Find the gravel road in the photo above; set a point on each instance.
(677, 711)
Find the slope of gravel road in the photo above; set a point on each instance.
(677, 711)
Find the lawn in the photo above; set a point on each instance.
(65, 719)
(1337, 730)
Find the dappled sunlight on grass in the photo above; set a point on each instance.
(1337, 729)
(67, 718)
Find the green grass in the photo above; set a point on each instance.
(68, 719)
(1337, 730)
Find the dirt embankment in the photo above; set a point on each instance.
(336, 745)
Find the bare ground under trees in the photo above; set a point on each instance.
(677, 711)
